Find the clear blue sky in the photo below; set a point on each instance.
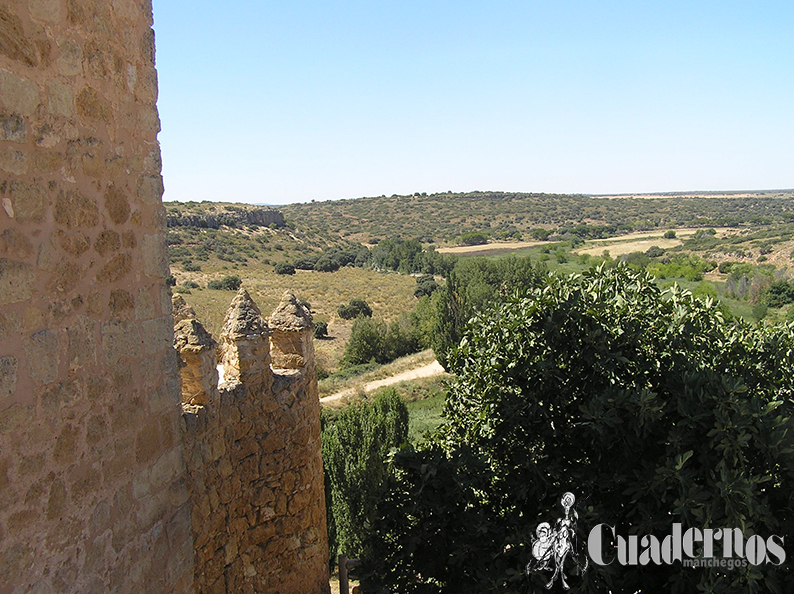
(288, 101)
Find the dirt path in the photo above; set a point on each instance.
(488, 247)
(428, 370)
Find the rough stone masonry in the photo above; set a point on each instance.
(95, 493)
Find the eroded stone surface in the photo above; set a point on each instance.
(245, 348)
(292, 345)
(255, 471)
(199, 366)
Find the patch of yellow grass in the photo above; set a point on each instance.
(388, 294)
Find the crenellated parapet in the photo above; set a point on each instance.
(181, 310)
(252, 447)
(197, 351)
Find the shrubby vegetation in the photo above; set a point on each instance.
(374, 340)
(227, 283)
(284, 268)
(650, 406)
(320, 329)
(471, 285)
(355, 444)
(445, 216)
(355, 309)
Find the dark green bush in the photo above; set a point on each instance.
(367, 342)
(284, 268)
(227, 283)
(779, 293)
(326, 263)
(650, 406)
(354, 309)
(473, 238)
(654, 251)
(320, 329)
(355, 445)
(425, 285)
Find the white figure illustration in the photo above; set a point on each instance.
(551, 547)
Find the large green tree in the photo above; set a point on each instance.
(355, 445)
(648, 405)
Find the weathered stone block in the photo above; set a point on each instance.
(46, 10)
(199, 369)
(29, 200)
(60, 99)
(13, 127)
(96, 429)
(292, 346)
(155, 255)
(82, 346)
(16, 281)
(90, 104)
(70, 59)
(73, 210)
(74, 244)
(115, 269)
(65, 278)
(18, 95)
(148, 444)
(13, 161)
(60, 395)
(41, 350)
(120, 339)
(150, 189)
(66, 445)
(117, 205)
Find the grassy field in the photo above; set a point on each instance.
(424, 415)
(388, 294)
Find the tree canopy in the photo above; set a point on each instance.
(649, 405)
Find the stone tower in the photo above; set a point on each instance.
(92, 477)
(96, 436)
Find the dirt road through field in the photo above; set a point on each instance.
(428, 370)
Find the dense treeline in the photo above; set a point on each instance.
(446, 216)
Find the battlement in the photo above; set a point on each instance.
(252, 447)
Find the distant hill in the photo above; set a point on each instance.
(441, 218)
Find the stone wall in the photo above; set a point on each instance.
(95, 494)
(253, 453)
(92, 477)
